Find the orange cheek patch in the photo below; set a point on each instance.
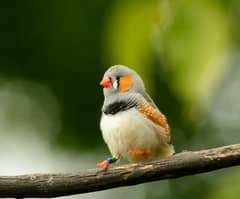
(125, 83)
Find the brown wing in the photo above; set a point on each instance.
(156, 117)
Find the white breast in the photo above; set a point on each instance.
(130, 130)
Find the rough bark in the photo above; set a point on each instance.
(62, 184)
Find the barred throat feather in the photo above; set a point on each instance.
(119, 106)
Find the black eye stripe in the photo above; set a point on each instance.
(118, 82)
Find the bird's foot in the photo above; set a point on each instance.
(142, 152)
(104, 164)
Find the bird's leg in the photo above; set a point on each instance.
(105, 164)
(141, 152)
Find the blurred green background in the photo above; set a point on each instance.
(53, 55)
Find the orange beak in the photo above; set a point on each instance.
(106, 82)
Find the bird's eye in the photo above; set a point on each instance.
(115, 84)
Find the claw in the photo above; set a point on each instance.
(104, 164)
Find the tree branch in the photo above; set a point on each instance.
(181, 164)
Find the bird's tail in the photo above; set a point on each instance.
(167, 151)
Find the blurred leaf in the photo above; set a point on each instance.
(194, 40)
(227, 187)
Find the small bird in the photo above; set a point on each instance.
(132, 126)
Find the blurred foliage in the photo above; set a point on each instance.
(202, 28)
(227, 186)
(53, 55)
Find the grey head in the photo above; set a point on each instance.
(123, 84)
(116, 75)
